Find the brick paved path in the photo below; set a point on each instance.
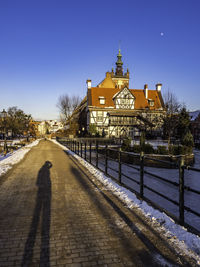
(54, 213)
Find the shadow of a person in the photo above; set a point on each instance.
(43, 210)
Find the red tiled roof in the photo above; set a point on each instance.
(140, 101)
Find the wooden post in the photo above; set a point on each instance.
(81, 149)
(106, 159)
(78, 147)
(120, 166)
(141, 174)
(181, 190)
(75, 147)
(97, 154)
(85, 151)
(90, 152)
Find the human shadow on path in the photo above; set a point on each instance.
(42, 210)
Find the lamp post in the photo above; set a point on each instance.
(83, 129)
(27, 132)
(3, 118)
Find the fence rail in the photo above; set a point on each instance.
(101, 155)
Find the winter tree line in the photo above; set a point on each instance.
(177, 123)
(15, 122)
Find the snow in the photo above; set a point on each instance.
(194, 115)
(7, 162)
(183, 241)
(154, 143)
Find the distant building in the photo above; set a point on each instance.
(54, 126)
(113, 109)
(49, 126)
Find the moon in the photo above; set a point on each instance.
(162, 34)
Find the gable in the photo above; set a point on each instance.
(107, 82)
(124, 99)
(124, 93)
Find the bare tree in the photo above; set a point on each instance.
(173, 107)
(172, 104)
(66, 105)
(75, 102)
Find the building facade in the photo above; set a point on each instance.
(115, 110)
(49, 127)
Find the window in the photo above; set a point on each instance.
(100, 116)
(151, 103)
(102, 100)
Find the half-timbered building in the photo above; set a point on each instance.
(116, 110)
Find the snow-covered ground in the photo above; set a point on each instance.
(183, 241)
(7, 162)
(192, 179)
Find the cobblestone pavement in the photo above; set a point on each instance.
(54, 213)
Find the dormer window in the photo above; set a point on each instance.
(102, 100)
(151, 102)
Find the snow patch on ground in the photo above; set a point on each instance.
(7, 162)
(184, 242)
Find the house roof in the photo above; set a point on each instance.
(140, 101)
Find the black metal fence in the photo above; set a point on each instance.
(101, 156)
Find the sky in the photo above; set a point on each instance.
(49, 48)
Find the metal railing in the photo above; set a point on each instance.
(100, 156)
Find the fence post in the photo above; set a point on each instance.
(75, 147)
(181, 190)
(78, 147)
(81, 149)
(85, 151)
(97, 154)
(141, 174)
(106, 160)
(120, 166)
(90, 152)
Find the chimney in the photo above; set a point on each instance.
(89, 84)
(146, 91)
(158, 87)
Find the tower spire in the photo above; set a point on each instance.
(119, 63)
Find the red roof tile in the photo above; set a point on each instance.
(140, 101)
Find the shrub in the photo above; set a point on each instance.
(188, 140)
(136, 148)
(187, 149)
(175, 150)
(126, 144)
(148, 149)
(180, 150)
(162, 150)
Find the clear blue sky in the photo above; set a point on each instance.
(49, 48)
